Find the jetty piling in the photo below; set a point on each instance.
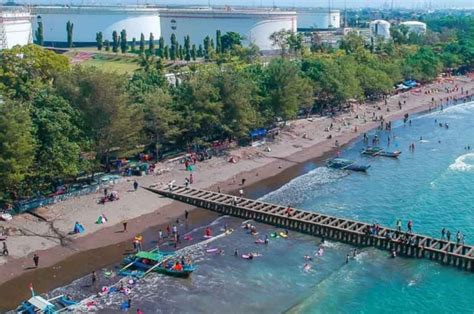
(317, 224)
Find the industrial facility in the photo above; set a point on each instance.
(415, 27)
(318, 19)
(88, 21)
(15, 27)
(255, 26)
(380, 28)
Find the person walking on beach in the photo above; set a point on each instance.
(241, 193)
(135, 185)
(5, 249)
(443, 233)
(186, 214)
(36, 260)
(243, 181)
(93, 278)
(191, 179)
(124, 223)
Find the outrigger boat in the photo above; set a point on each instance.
(378, 151)
(345, 164)
(38, 304)
(142, 263)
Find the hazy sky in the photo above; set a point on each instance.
(309, 3)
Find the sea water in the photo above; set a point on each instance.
(432, 186)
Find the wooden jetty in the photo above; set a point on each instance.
(339, 229)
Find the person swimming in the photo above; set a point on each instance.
(308, 258)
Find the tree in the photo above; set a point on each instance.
(174, 47)
(99, 39)
(133, 46)
(166, 53)
(39, 34)
(193, 52)
(280, 40)
(207, 47)
(69, 30)
(115, 41)
(161, 46)
(107, 45)
(104, 107)
(57, 138)
(180, 52)
(17, 146)
(200, 51)
(21, 78)
(198, 102)
(123, 41)
(352, 42)
(151, 44)
(229, 40)
(142, 43)
(160, 121)
(219, 42)
(283, 87)
(238, 94)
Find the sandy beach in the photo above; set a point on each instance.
(300, 141)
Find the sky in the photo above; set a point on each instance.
(299, 3)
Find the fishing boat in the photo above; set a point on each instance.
(345, 164)
(378, 151)
(160, 262)
(38, 304)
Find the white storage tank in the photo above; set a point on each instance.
(318, 19)
(15, 27)
(380, 28)
(90, 20)
(415, 27)
(255, 25)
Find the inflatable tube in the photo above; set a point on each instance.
(283, 235)
(245, 256)
(188, 238)
(260, 241)
(274, 235)
(213, 250)
(127, 291)
(207, 236)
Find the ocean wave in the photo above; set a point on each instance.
(453, 111)
(463, 163)
(301, 188)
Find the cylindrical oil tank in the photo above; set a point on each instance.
(15, 27)
(380, 28)
(415, 27)
(88, 21)
(311, 19)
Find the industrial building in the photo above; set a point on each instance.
(15, 27)
(380, 28)
(88, 21)
(415, 27)
(318, 19)
(255, 25)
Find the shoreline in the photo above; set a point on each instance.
(59, 263)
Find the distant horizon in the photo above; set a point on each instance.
(335, 4)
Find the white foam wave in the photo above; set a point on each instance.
(302, 187)
(453, 111)
(463, 163)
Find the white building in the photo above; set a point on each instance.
(318, 19)
(415, 27)
(15, 28)
(380, 28)
(88, 21)
(255, 25)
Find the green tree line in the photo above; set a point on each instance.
(59, 121)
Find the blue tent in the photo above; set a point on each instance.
(258, 132)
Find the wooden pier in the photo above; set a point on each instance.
(339, 229)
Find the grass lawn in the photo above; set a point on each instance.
(113, 64)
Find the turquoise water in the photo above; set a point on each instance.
(431, 186)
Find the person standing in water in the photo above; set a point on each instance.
(93, 278)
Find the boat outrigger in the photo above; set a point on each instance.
(345, 164)
(38, 304)
(378, 151)
(142, 263)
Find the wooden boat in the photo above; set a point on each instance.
(378, 151)
(38, 304)
(156, 261)
(345, 164)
